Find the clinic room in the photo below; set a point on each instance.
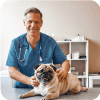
(50, 50)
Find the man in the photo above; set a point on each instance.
(31, 49)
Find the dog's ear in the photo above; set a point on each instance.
(36, 66)
(53, 67)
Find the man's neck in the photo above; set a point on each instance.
(33, 40)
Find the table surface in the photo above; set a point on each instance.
(13, 93)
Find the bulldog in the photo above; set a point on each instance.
(50, 87)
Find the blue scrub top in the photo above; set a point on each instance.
(50, 51)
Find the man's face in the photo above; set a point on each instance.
(33, 23)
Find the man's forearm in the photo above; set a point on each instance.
(66, 65)
(15, 74)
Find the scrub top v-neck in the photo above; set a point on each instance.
(49, 52)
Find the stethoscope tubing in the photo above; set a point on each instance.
(20, 54)
(40, 58)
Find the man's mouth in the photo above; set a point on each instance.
(33, 30)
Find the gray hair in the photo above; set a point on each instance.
(32, 9)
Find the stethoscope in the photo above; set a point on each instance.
(40, 58)
(24, 53)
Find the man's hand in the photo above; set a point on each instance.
(62, 74)
(34, 82)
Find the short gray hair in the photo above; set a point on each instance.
(32, 9)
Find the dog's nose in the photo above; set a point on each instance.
(44, 72)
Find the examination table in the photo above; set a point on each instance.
(12, 93)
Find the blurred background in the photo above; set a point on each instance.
(64, 19)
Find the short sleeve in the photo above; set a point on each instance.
(12, 58)
(58, 55)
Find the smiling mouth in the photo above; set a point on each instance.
(33, 30)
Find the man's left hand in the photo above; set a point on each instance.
(62, 74)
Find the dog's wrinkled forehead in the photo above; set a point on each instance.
(45, 67)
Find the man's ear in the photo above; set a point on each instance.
(36, 66)
(24, 22)
(53, 67)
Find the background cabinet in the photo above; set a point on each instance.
(79, 65)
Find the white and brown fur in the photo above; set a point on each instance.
(54, 88)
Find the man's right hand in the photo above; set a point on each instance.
(33, 81)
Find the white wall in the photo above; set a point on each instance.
(65, 19)
(0, 52)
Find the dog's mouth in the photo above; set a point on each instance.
(45, 78)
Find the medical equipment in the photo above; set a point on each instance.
(40, 53)
(40, 58)
(24, 54)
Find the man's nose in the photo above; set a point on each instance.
(33, 24)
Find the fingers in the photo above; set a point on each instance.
(33, 77)
(34, 82)
(58, 70)
(61, 75)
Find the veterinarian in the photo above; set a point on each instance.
(31, 49)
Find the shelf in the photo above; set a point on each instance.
(76, 59)
(62, 41)
(70, 41)
(80, 41)
(82, 48)
(81, 76)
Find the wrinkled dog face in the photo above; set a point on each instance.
(44, 72)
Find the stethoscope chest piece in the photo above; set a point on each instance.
(40, 58)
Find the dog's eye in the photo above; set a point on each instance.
(40, 71)
(49, 71)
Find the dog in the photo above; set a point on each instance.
(50, 87)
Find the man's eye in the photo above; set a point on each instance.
(36, 22)
(29, 22)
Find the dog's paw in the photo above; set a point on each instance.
(44, 98)
(21, 96)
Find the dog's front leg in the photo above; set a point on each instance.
(28, 94)
(51, 96)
